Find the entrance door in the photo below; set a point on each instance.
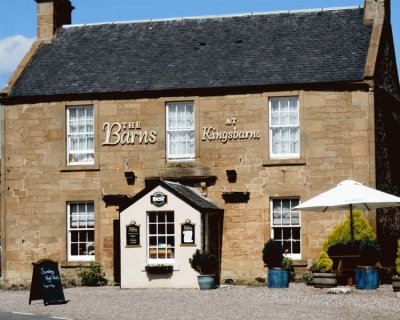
(117, 252)
(214, 234)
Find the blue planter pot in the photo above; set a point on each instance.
(206, 282)
(278, 278)
(367, 278)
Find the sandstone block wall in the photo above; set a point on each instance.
(336, 144)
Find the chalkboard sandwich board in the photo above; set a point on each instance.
(46, 283)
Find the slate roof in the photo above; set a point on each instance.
(216, 52)
(187, 194)
(192, 196)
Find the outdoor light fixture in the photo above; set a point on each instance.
(130, 177)
(232, 176)
(236, 197)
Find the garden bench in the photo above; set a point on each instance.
(345, 267)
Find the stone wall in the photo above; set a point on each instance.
(336, 144)
(387, 116)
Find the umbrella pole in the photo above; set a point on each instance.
(351, 224)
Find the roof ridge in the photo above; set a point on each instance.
(215, 16)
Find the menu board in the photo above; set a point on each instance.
(46, 283)
(187, 233)
(133, 235)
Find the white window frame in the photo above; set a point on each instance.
(295, 256)
(295, 125)
(86, 135)
(158, 246)
(71, 229)
(186, 130)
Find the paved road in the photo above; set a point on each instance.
(27, 316)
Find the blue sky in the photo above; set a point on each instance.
(18, 17)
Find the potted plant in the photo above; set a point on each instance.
(206, 265)
(367, 275)
(278, 265)
(396, 276)
(344, 252)
(322, 274)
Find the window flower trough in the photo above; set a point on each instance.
(159, 268)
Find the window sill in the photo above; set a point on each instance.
(177, 160)
(284, 162)
(74, 264)
(90, 167)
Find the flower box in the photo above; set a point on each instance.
(159, 268)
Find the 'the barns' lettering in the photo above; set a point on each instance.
(126, 133)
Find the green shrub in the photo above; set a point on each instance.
(323, 264)
(204, 262)
(307, 278)
(398, 257)
(370, 252)
(341, 235)
(273, 254)
(287, 263)
(92, 275)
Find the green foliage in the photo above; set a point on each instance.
(204, 262)
(260, 279)
(159, 268)
(341, 235)
(273, 254)
(307, 278)
(398, 257)
(287, 263)
(92, 275)
(370, 252)
(323, 264)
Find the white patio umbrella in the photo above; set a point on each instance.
(350, 194)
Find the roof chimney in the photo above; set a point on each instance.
(52, 14)
(376, 9)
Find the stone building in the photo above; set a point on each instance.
(136, 143)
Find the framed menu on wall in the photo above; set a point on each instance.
(188, 233)
(133, 235)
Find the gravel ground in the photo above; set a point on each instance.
(229, 302)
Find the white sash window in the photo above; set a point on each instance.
(80, 135)
(286, 225)
(284, 128)
(180, 131)
(80, 231)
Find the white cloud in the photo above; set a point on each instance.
(12, 50)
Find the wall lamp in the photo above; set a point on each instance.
(232, 176)
(130, 177)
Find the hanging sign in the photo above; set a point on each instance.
(158, 199)
(187, 233)
(46, 283)
(133, 235)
